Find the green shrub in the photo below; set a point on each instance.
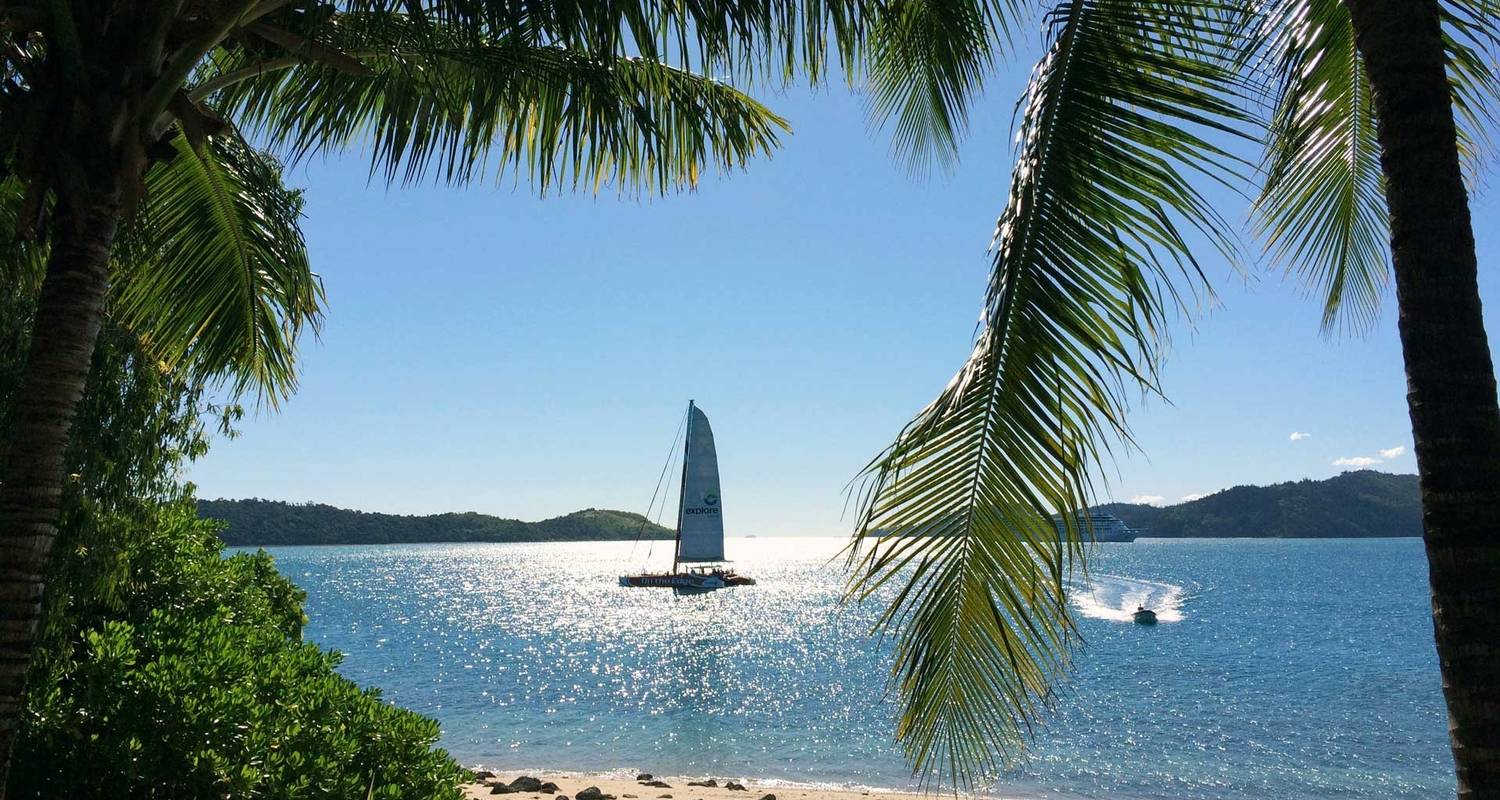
(198, 685)
(163, 669)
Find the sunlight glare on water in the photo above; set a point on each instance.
(533, 657)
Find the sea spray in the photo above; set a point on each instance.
(1116, 597)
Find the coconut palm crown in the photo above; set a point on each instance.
(1362, 112)
(130, 181)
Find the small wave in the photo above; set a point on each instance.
(1116, 597)
(839, 789)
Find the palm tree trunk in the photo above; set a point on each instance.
(67, 322)
(1450, 377)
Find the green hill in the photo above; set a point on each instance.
(1351, 505)
(271, 522)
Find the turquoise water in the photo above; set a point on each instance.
(1281, 669)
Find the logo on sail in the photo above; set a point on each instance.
(710, 505)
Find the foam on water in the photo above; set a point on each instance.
(1116, 597)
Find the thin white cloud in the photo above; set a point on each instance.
(1148, 499)
(1360, 462)
(1188, 498)
(1298, 436)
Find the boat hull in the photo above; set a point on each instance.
(686, 581)
(1145, 617)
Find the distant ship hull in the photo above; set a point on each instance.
(1097, 528)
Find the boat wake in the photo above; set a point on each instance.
(1115, 598)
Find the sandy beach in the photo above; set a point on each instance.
(569, 786)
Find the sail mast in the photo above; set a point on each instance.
(687, 441)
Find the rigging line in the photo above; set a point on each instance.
(646, 518)
(661, 510)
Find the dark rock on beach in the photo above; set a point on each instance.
(483, 774)
(735, 787)
(548, 788)
(593, 793)
(526, 783)
(709, 783)
(501, 788)
(644, 776)
(768, 797)
(658, 784)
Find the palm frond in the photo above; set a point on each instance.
(775, 40)
(23, 261)
(1090, 257)
(926, 61)
(1471, 30)
(1322, 205)
(213, 274)
(441, 100)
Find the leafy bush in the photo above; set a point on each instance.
(163, 669)
(199, 686)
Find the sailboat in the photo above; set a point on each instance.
(700, 519)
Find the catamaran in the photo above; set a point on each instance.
(700, 519)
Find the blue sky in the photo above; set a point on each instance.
(487, 350)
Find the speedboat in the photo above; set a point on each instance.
(1144, 616)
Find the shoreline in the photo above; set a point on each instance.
(623, 785)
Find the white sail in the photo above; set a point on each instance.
(700, 518)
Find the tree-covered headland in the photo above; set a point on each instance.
(273, 522)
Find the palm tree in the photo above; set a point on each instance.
(1365, 110)
(121, 135)
(211, 271)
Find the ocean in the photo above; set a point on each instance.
(1280, 669)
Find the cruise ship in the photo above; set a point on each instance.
(1100, 528)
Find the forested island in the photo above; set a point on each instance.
(272, 522)
(1352, 505)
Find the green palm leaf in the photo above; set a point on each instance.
(926, 62)
(956, 514)
(1472, 32)
(432, 98)
(774, 39)
(23, 262)
(1322, 201)
(1322, 206)
(213, 274)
